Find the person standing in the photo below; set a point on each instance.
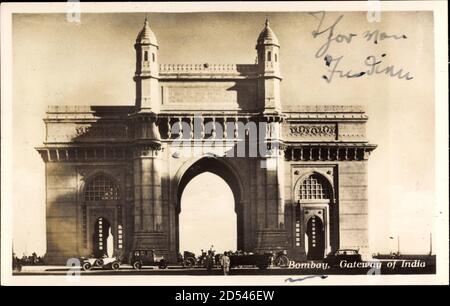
(225, 261)
(209, 263)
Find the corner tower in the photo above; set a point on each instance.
(148, 162)
(268, 50)
(147, 71)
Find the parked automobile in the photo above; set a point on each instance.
(280, 259)
(262, 261)
(110, 263)
(140, 258)
(89, 263)
(349, 255)
(188, 260)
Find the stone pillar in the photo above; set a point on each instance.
(149, 233)
(271, 234)
(144, 188)
(280, 189)
(157, 190)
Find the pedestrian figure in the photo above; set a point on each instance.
(225, 261)
(209, 263)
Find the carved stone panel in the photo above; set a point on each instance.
(310, 131)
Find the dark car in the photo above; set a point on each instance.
(349, 255)
(140, 258)
(188, 260)
(262, 261)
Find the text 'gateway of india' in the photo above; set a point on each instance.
(115, 174)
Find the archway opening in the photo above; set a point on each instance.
(316, 238)
(207, 217)
(102, 238)
(317, 224)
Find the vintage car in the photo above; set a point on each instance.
(188, 260)
(349, 255)
(262, 261)
(280, 259)
(88, 263)
(140, 258)
(110, 263)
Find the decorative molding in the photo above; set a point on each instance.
(207, 68)
(304, 130)
(116, 130)
(325, 109)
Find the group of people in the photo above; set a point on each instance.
(239, 253)
(26, 261)
(209, 259)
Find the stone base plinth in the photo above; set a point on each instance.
(296, 254)
(59, 258)
(269, 240)
(154, 240)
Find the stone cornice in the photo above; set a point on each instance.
(83, 154)
(330, 108)
(328, 152)
(302, 112)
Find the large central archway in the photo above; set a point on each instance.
(219, 167)
(207, 216)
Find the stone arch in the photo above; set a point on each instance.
(313, 215)
(306, 175)
(315, 230)
(222, 168)
(92, 210)
(331, 222)
(217, 165)
(99, 243)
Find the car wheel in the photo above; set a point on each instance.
(115, 266)
(137, 265)
(283, 261)
(86, 266)
(99, 262)
(162, 264)
(189, 263)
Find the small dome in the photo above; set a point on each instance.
(267, 36)
(146, 35)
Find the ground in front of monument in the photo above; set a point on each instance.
(383, 267)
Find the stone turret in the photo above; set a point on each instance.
(268, 50)
(147, 71)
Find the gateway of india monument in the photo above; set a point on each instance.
(115, 174)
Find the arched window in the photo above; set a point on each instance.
(276, 57)
(145, 56)
(269, 56)
(315, 187)
(101, 188)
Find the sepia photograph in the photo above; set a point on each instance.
(231, 143)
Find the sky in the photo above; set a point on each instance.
(211, 219)
(56, 62)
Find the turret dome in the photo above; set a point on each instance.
(146, 35)
(267, 36)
